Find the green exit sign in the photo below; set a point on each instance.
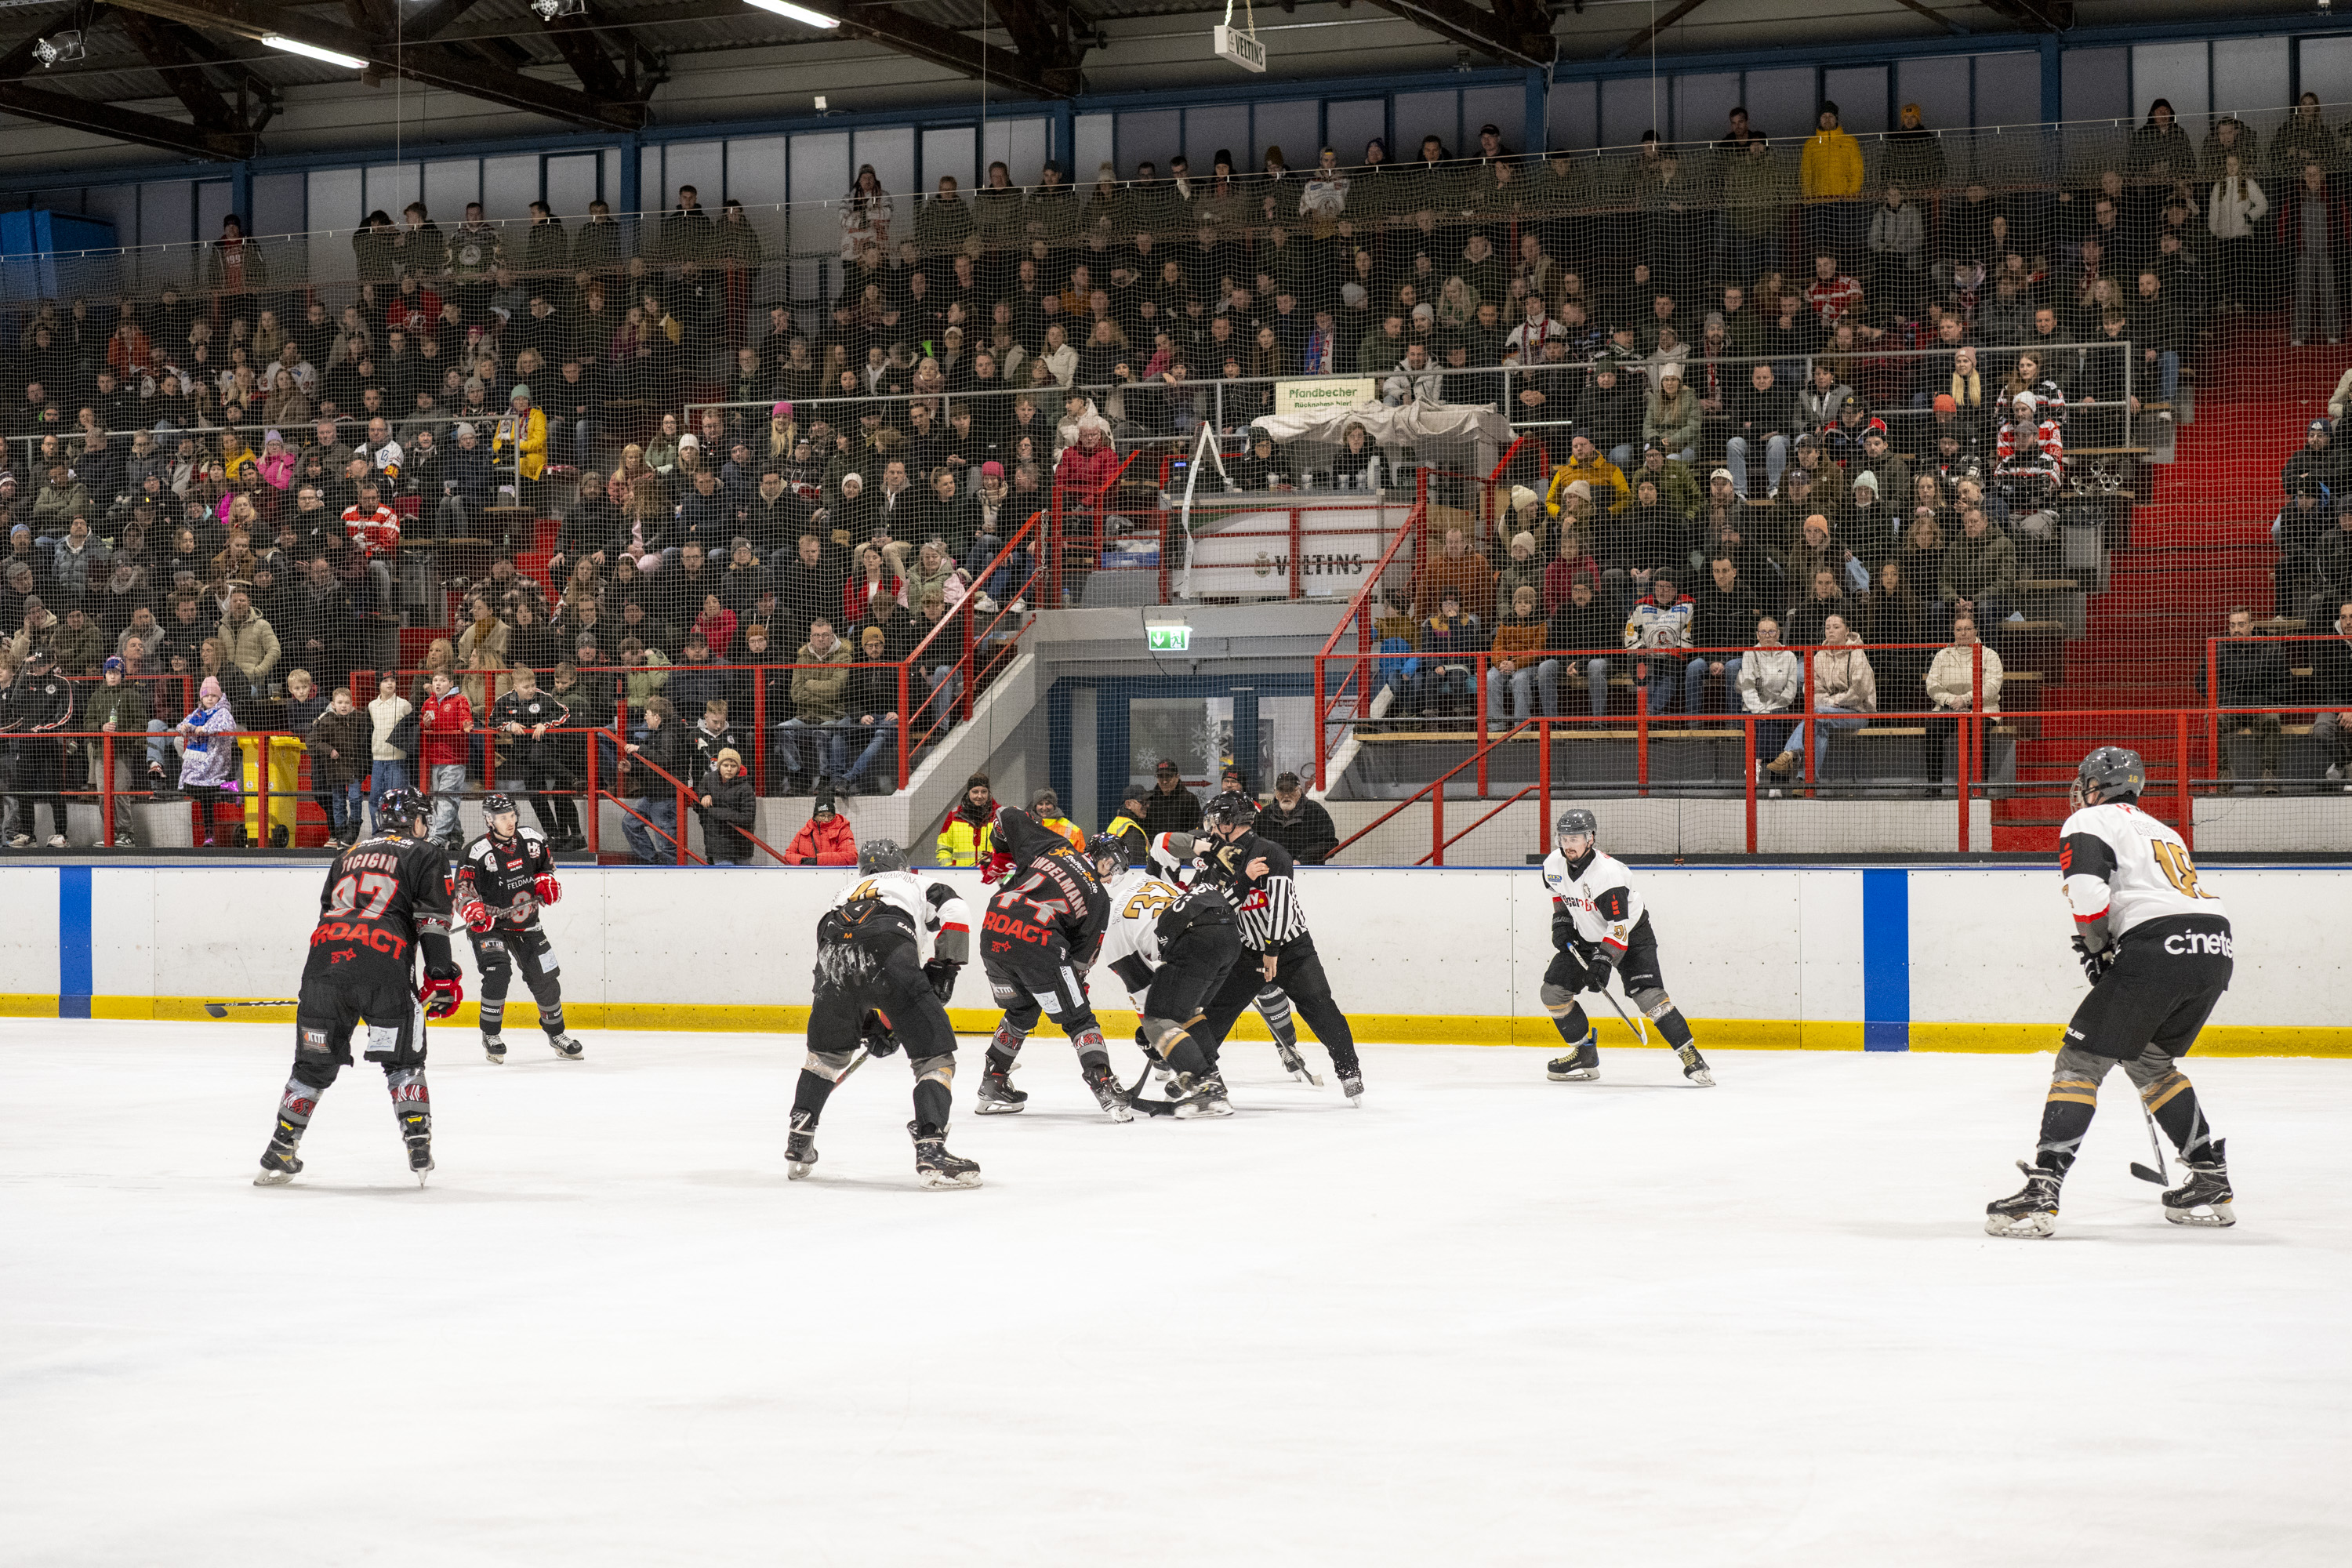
(1169, 639)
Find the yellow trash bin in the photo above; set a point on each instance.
(286, 755)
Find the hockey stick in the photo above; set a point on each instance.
(220, 1009)
(1640, 1032)
(2158, 1174)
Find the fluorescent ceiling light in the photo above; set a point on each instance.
(296, 46)
(797, 12)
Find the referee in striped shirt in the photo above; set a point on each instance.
(1257, 875)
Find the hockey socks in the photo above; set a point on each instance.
(1572, 1025)
(1274, 1007)
(2065, 1116)
(412, 1106)
(2172, 1100)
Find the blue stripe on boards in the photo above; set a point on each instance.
(73, 942)
(1886, 960)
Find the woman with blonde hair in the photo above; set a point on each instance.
(440, 654)
(482, 652)
(2234, 211)
(783, 432)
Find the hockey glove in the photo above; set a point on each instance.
(2094, 964)
(1597, 970)
(476, 914)
(942, 972)
(1563, 931)
(545, 888)
(876, 1036)
(442, 993)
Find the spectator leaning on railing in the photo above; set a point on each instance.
(2253, 673)
(1845, 691)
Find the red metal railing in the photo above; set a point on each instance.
(1358, 616)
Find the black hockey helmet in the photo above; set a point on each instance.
(1110, 854)
(2113, 771)
(1229, 811)
(399, 807)
(1576, 819)
(496, 804)
(880, 855)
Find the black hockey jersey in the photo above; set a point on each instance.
(1267, 906)
(503, 874)
(34, 703)
(386, 896)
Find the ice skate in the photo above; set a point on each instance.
(420, 1157)
(935, 1166)
(1695, 1066)
(564, 1046)
(1108, 1094)
(1580, 1066)
(278, 1165)
(2032, 1211)
(2207, 1188)
(1351, 1084)
(997, 1096)
(800, 1146)
(495, 1048)
(1296, 1065)
(1202, 1096)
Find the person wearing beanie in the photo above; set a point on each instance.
(1047, 807)
(519, 445)
(728, 811)
(964, 839)
(825, 839)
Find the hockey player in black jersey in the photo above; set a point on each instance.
(505, 878)
(1171, 942)
(1257, 875)
(1043, 929)
(874, 985)
(386, 904)
(2158, 949)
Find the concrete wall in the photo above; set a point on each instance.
(1960, 958)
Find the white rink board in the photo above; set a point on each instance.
(1450, 953)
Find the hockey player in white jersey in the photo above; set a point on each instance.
(888, 951)
(1171, 942)
(1598, 926)
(2158, 949)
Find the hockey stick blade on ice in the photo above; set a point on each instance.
(221, 1009)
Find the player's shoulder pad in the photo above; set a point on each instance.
(529, 834)
(2094, 820)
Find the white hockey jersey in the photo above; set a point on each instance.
(2121, 863)
(1137, 899)
(1602, 903)
(910, 896)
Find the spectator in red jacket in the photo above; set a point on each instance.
(825, 839)
(1083, 479)
(444, 718)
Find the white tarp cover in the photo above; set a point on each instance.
(1403, 426)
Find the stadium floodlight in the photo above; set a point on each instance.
(797, 12)
(549, 10)
(296, 46)
(58, 48)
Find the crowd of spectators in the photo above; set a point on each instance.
(1878, 358)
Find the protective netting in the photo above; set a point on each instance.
(2071, 381)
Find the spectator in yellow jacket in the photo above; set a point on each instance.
(1830, 175)
(524, 428)
(1605, 478)
(1831, 169)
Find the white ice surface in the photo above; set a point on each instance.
(1485, 1319)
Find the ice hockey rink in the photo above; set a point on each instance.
(1482, 1318)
